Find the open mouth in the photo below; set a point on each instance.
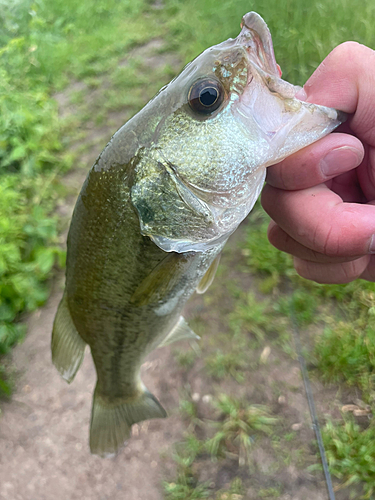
(256, 38)
(268, 107)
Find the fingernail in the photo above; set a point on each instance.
(340, 160)
(371, 248)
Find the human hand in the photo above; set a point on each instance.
(322, 198)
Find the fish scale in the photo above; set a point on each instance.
(157, 208)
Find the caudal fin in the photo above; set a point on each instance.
(67, 346)
(111, 422)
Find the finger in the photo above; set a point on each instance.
(339, 273)
(317, 163)
(369, 273)
(282, 241)
(366, 173)
(318, 219)
(347, 187)
(346, 80)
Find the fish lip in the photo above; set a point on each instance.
(256, 39)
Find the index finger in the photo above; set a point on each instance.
(346, 80)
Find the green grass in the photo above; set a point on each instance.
(5, 384)
(346, 352)
(238, 427)
(269, 493)
(232, 363)
(303, 34)
(236, 491)
(188, 410)
(185, 488)
(186, 485)
(185, 359)
(350, 451)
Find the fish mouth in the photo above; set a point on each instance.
(256, 38)
(268, 107)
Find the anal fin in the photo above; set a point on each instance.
(67, 346)
(111, 421)
(209, 276)
(181, 331)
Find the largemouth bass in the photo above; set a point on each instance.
(157, 208)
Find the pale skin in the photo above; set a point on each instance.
(322, 198)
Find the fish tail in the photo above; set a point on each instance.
(67, 346)
(111, 421)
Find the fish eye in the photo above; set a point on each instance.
(205, 96)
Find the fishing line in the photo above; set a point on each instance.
(310, 400)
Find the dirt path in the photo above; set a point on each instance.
(44, 430)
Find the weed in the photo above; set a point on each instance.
(231, 363)
(189, 411)
(301, 303)
(251, 315)
(188, 451)
(5, 384)
(260, 255)
(236, 491)
(185, 488)
(269, 493)
(350, 451)
(185, 359)
(186, 485)
(238, 427)
(346, 352)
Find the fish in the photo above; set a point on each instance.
(157, 208)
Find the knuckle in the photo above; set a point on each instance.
(302, 268)
(272, 231)
(352, 270)
(284, 177)
(331, 245)
(338, 239)
(349, 51)
(348, 270)
(266, 199)
(325, 240)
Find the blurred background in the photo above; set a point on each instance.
(71, 73)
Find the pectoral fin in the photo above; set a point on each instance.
(209, 276)
(162, 279)
(181, 331)
(67, 346)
